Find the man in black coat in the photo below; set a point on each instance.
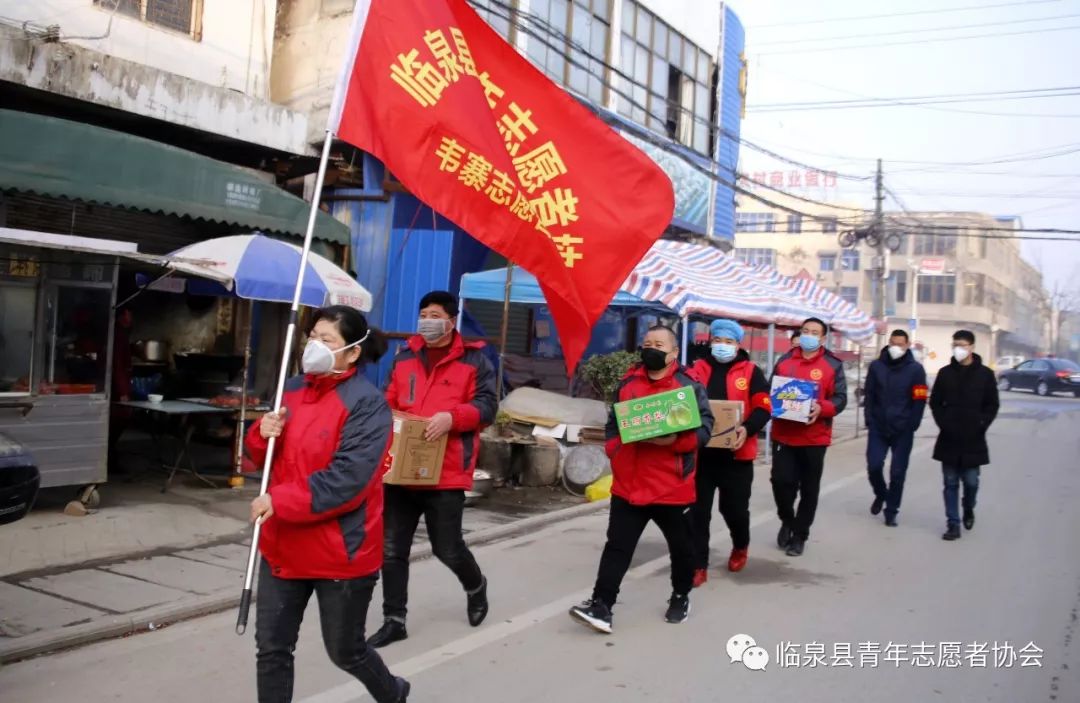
(964, 402)
(895, 400)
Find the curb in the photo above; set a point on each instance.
(150, 619)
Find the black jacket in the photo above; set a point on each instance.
(964, 402)
(895, 394)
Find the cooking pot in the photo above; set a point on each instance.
(155, 350)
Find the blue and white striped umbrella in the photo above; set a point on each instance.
(259, 268)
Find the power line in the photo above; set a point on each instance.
(929, 40)
(803, 80)
(915, 101)
(918, 31)
(966, 8)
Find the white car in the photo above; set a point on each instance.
(1005, 363)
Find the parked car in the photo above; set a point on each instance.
(1044, 376)
(19, 481)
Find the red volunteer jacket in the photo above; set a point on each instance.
(463, 384)
(648, 474)
(739, 387)
(827, 371)
(325, 480)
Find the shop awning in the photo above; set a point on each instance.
(491, 285)
(64, 159)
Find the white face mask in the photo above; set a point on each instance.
(319, 359)
(960, 353)
(896, 352)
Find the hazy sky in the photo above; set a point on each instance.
(1041, 53)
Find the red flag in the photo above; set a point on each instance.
(476, 132)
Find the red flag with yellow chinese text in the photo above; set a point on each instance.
(476, 132)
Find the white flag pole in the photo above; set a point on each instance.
(290, 335)
(360, 15)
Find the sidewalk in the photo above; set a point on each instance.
(146, 559)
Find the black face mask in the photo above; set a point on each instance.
(654, 359)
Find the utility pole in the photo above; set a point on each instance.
(882, 264)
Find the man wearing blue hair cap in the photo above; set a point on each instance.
(728, 374)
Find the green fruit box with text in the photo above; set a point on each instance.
(657, 415)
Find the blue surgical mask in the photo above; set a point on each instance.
(724, 352)
(809, 343)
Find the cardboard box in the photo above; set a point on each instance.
(657, 415)
(413, 460)
(727, 417)
(792, 398)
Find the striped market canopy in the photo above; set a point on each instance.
(692, 279)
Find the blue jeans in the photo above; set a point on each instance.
(953, 476)
(876, 447)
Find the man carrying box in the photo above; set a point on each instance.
(798, 447)
(653, 480)
(728, 375)
(440, 377)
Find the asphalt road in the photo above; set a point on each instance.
(903, 597)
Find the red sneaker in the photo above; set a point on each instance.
(700, 577)
(737, 560)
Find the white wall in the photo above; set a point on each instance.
(234, 53)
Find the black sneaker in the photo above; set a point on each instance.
(969, 518)
(390, 632)
(952, 533)
(877, 505)
(593, 613)
(678, 609)
(890, 520)
(403, 690)
(796, 547)
(477, 606)
(783, 537)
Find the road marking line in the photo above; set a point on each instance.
(354, 690)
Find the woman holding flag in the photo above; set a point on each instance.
(322, 528)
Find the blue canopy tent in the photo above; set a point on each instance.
(491, 285)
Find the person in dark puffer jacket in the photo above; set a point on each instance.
(896, 395)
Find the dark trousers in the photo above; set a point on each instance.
(953, 476)
(877, 445)
(343, 606)
(796, 474)
(626, 522)
(732, 479)
(442, 512)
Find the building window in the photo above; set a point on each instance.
(849, 260)
(178, 15)
(974, 289)
(669, 90)
(18, 312)
(493, 14)
(850, 294)
(756, 257)
(901, 285)
(826, 262)
(755, 222)
(794, 224)
(937, 289)
(828, 225)
(935, 244)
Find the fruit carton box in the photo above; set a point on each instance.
(657, 415)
